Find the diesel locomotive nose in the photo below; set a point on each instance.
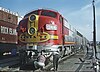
(32, 34)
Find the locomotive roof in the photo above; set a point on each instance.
(43, 10)
(48, 10)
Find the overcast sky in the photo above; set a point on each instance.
(77, 12)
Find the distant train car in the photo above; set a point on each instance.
(44, 29)
(8, 34)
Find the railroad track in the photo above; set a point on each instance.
(5, 64)
(9, 69)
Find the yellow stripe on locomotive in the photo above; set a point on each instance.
(33, 24)
(34, 38)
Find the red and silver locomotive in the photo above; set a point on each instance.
(44, 29)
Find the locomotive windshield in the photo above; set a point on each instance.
(49, 13)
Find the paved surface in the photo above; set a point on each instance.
(74, 64)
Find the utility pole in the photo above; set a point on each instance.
(95, 60)
(94, 29)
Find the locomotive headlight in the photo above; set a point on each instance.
(32, 17)
(51, 27)
(31, 30)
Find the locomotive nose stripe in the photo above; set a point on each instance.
(33, 24)
(53, 37)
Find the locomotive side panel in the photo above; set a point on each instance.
(52, 27)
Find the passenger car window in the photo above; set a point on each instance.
(49, 13)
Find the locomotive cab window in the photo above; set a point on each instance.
(49, 13)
